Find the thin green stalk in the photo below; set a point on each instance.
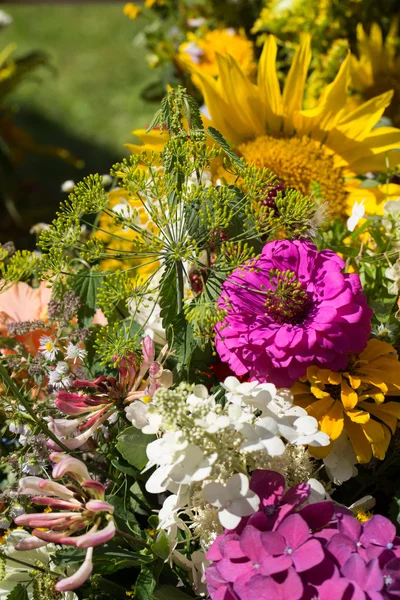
(179, 284)
(132, 539)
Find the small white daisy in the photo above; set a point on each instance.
(74, 352)
(59, 377)
(47, 347)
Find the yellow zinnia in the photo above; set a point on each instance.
(377, 69)
(201, 52)
(355, 400)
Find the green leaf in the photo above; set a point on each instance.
(168, 592)
(161, 546)
(181, 338)
(220, 140)
(107, 559)
(127, 469)
(18, 593)
(86, 284)
(168, 297)
(8, 342)
(132, 444)
(156, 120)
(145, 584)
(192, 113)
(153, 521)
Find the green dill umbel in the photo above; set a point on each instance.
(194, 224)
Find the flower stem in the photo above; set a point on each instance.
(23, 563)
(179, 284)
(132, 539)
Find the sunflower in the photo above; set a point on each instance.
(201, 51)
(354, 400)
(377, 69)
(327, 144)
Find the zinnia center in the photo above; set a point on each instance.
(287, 300)
(300, 163)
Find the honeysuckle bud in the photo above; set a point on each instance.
(81, 517)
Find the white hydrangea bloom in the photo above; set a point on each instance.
(340, 462)
(263, 437)
(233, 500)
(137, 413)
(317, 492)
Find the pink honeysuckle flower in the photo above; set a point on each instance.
(106, 395)
(84, 519)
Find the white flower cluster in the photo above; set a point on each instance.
(209, 442)
(60, 377)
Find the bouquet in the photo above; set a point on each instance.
(199, 369)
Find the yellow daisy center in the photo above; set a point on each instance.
(49, 346)
(299, 163)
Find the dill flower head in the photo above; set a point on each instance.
(201, 51)
(377, 68)
(354, 399)
(120, 239)
(289, 309)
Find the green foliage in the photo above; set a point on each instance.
(145, 584)
(132, 445)
(86, 284)
(167, 592)
(18, 593)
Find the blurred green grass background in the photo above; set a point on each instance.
(89, 104)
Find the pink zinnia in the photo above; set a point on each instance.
(288, 309)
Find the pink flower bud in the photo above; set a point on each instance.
(148, 350)
(74, 467)
(79, 577)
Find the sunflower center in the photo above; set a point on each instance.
(287, 301)
(300, 163)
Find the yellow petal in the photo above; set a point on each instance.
(375, 434)
(332, 423)
(360, 444)
(268, 83)
(293, 91)
(348, 396)
(330, 107)
(360, 121)
(358, 416)
(386, 417)
(318, 392)
(222, 114)
(376, 348)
